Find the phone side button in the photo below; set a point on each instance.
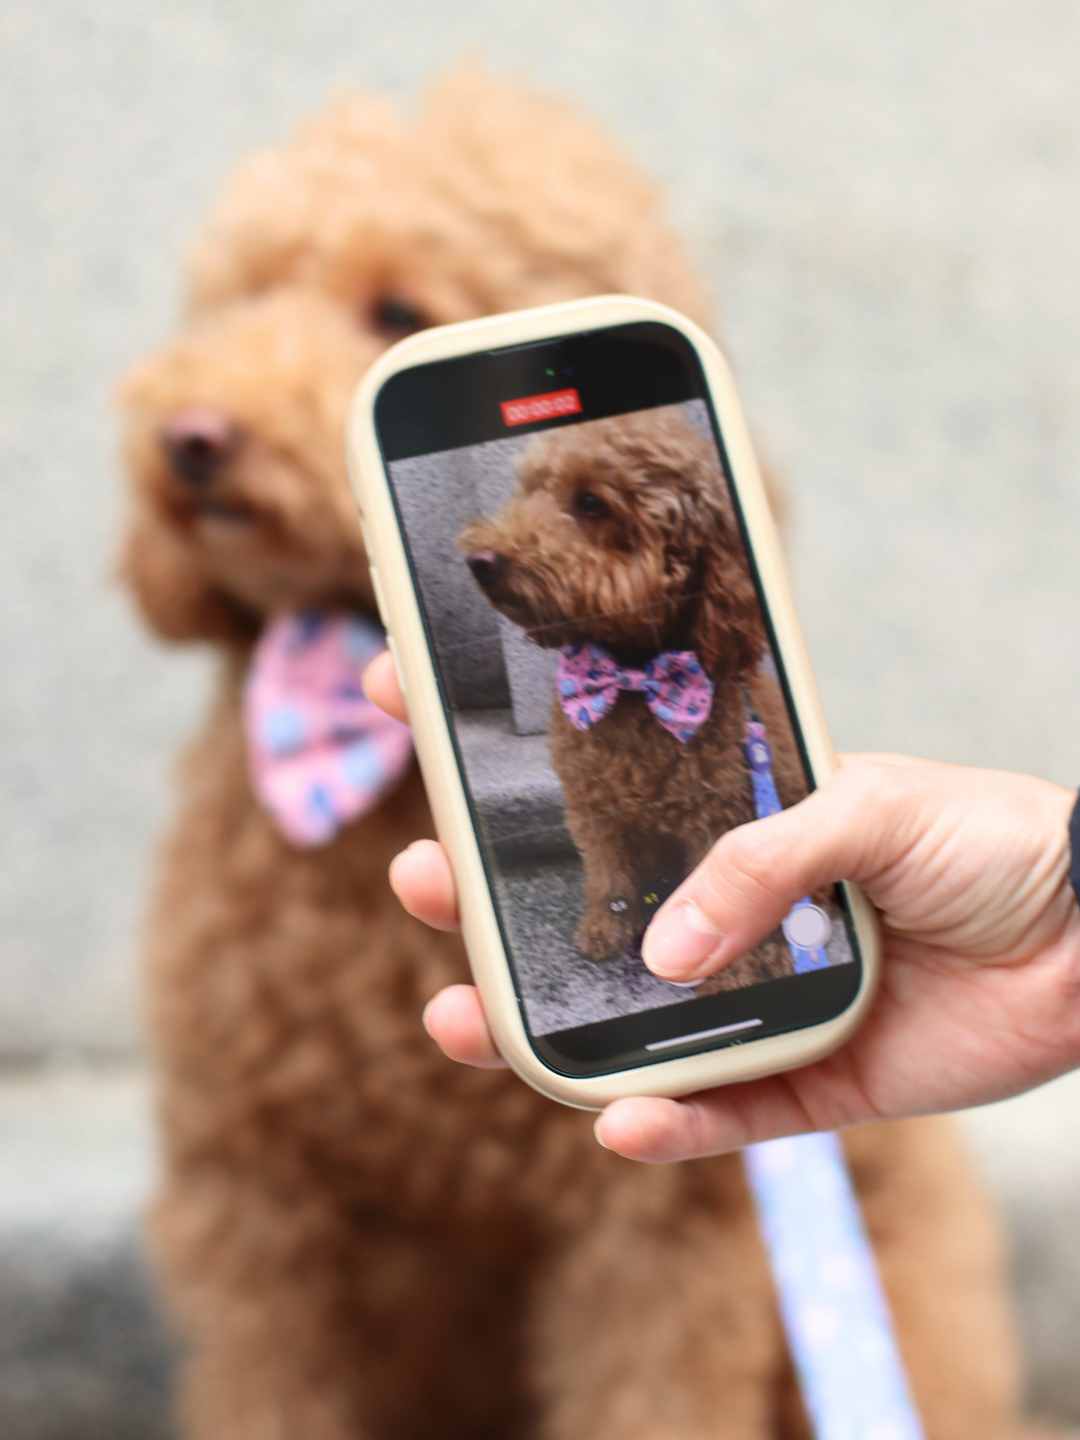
(380, 599)
(397, 664)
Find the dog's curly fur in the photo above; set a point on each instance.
(652, 562)
(358, 1238)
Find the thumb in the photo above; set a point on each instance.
(754, 874)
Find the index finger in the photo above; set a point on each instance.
(381, 686)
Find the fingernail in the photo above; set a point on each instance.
(596, 1132)
(680, 942)
(424, 1017)
(395, 863)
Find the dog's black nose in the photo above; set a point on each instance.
(198, 442)
(487, 567)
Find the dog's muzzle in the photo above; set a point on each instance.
(199, 443)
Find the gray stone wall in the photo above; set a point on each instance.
(487, 662)
(437, 496)
(884, 199)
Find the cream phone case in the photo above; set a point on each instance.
(401, 612)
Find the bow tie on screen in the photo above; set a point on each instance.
(676, 689)
(321, 753)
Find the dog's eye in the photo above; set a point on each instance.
(395, 316)
(589, 505)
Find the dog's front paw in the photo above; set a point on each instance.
(605, 933)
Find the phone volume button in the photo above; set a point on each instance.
(380, 598)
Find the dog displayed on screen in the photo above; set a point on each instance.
(357, 1239)
(620, 549)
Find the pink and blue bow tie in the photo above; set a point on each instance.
(676, 689)
(321, 753)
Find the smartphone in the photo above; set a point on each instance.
(584, 595)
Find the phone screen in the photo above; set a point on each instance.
(610, 681)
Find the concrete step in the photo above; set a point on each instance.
(1029, 1152)
(517, 795)
(85, 1355)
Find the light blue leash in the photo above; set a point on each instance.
(834, 1310)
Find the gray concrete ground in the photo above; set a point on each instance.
(84, 1354)
(885, 199)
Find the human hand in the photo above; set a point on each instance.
(981, 974)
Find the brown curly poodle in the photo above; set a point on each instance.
(621, 534)
(358, 1238)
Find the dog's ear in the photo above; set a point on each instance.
(727, 630)
(176, 601)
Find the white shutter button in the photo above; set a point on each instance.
(807, 926)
